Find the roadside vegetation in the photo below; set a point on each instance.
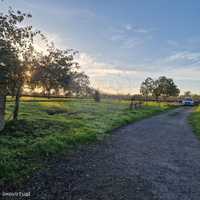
(22, 65)
(195, 121)
(45, 128)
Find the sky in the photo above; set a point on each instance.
(121, 42)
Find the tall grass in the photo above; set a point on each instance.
(195, 121)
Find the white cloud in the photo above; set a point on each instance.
(129, 36)
(183, 56)
(181, 59)
(128, 27)
(97, 69)
(132, 42)
(118, 79)
(126, 41)
(108, 77)
(185, 73)
(137, 29)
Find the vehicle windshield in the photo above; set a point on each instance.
(188, 99)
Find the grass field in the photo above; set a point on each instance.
(47, 127)
(195, 121)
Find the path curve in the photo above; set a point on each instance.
(156, 158)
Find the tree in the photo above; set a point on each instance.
(16, 42)
(58, 72)
(187, 94)
(18, 61)
(165, 87)
(8, 57)
(22, 76)
(25, 49)
(147, 87)
(8, 63)
(80, 84)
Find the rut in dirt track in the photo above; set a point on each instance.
(156, 158)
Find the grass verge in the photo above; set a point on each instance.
(45, 128)
(195, 121)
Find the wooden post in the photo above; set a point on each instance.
(131, 104)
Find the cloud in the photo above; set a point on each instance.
(132, 42)
(127, 41)
(137, 29)
(185, 74)
(182, 59)
(191, 44)
(109, 77)
(115, 78)
(97, 69)
(129, 36)
(183, 56)
(128, 27)
(166, 65)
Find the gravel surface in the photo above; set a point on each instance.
(156, 158)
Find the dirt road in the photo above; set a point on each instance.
(156, 158)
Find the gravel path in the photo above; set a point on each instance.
(156, 158)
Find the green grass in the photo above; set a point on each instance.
(46, 128)
(195, 121)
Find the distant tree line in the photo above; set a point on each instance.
(162, 87)
(21, 65)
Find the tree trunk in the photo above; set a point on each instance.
(48, 94)
(2, 111)
(17, 101)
